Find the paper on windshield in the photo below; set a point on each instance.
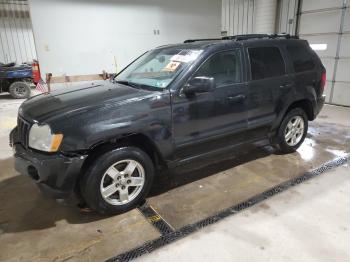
(186, 56)
(172, 66)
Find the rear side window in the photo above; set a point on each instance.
(302, 59)
(266, 62)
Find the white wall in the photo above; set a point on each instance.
(76, 37)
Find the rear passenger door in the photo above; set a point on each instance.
(268, 83)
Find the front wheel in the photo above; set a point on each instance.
(118, 180)
(19, 90)
(292, 131)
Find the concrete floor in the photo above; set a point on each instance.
(33, 228)
(307, 223)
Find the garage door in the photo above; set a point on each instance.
(326, 25)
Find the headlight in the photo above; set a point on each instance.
(41, 138)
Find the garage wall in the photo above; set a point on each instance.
(75, 37)
(238, 17)
(328, 22)
(16, 36)
(259, 16)
(287, 16)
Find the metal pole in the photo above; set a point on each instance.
(48, 82)
(297, 22)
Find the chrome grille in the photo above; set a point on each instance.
(23, 131)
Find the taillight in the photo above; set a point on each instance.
(323, 81)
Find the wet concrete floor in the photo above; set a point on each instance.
(34, 228)
(229, 182)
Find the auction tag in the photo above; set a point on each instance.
(186, 56)
(172, 66)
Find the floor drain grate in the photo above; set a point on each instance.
(169, 235)
(155, 219)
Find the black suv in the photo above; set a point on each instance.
(173, 105)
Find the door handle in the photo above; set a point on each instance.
(237, 98)
(286, 86)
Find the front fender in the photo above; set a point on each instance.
(150, 116)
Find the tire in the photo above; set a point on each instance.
(19, 90)
(96, 180)
(290, 143)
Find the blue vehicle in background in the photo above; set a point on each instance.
(16, 79)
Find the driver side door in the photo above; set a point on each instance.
(210, 121)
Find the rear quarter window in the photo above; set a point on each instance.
(266, 62)
(302, 58)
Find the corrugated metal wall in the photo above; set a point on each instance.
(287, 16)
(265, 16)
(16, 35)
(258, 16)
(238, 16)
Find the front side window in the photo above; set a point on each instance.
(266, 62)
(302, 58)
(156, 69)
(224, 67)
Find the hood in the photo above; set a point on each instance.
(72, 100)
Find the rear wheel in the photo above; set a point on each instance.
(19, 90)
(118, 180)
(292, 131)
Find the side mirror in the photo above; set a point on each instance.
(199, 84)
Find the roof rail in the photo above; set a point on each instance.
(254, 36)
(245, 37)
(203, 39)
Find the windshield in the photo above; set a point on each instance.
(157, 68)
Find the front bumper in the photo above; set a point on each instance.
(55, 174)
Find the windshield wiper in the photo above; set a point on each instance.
(127, 83)
(138, 86)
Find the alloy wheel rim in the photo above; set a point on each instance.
(294, 130)
(122, 182)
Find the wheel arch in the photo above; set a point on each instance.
(138, 140)
(304, 104)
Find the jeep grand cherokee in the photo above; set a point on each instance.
(173, 105)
